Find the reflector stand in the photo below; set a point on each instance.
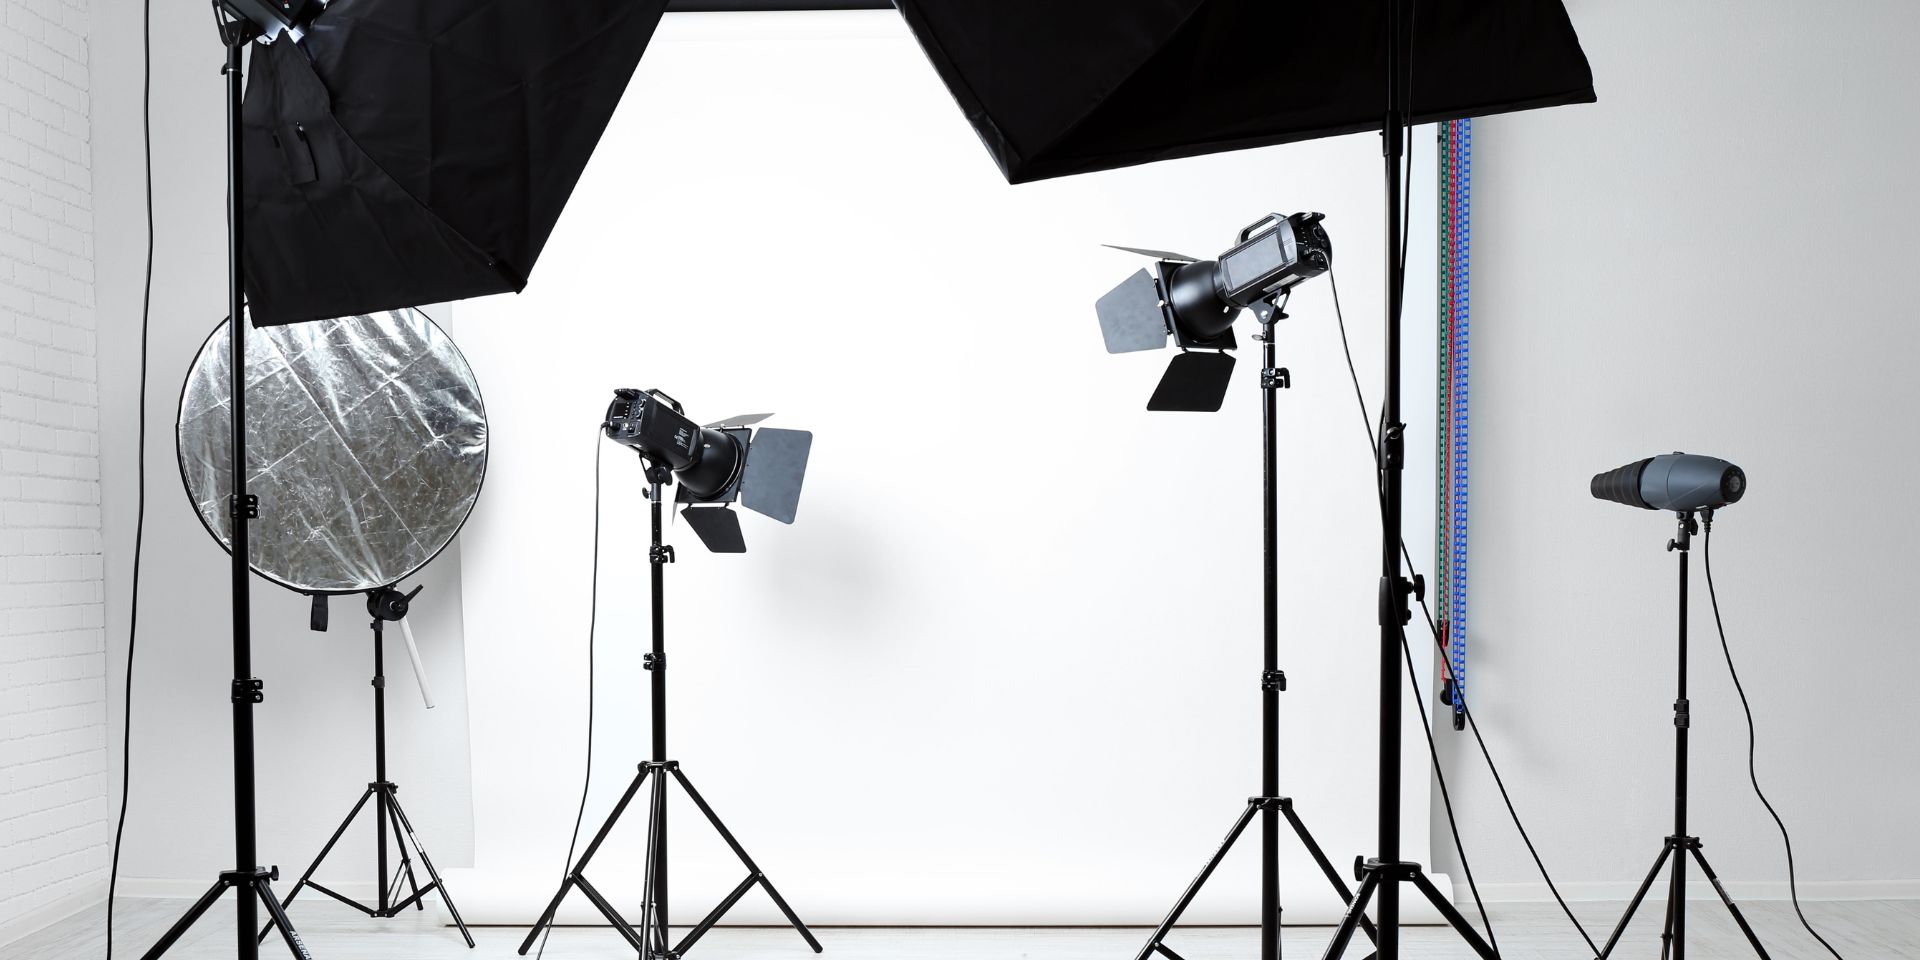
(385, 605)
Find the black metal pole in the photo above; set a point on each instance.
(1682, 545)
(245, 688)
(1391, 457)
(1269, 686)
(657, 665)
(381, 799)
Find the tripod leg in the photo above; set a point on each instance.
(1454, 917)
(1326, 867)
(779, 901)
(406, 860)
(653, 919)
(713, 916)
(613, 916)
(1732, 908)
(315, 865)
(279, 915)
(1193, 888)
(1680, 906)
(179, 928)
(1634, 904)
(1355, 912)
(433, 876)
(574, 869)
(1666, 934)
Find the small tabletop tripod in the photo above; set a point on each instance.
(386, 605)
(1680, 846)
(651, 940)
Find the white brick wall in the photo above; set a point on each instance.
(54, 808)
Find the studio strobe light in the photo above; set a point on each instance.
(1195, 302)
(1676, 481)
(715, 465)
(1691, 486)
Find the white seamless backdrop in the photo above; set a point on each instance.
(1004, 668)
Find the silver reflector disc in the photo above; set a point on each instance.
(366, 444)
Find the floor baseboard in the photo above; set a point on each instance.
(1618, 890)
(42, 917)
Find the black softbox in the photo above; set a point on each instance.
(1057, 88)
(406, 152)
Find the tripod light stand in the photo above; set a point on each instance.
(1270, 805)
(385, 605)
(248, 880)
(1057, 89)
(1382, 875)
(1194, 303)
(717, 465)
(1679, 845)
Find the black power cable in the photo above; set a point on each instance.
(1753, 775)
(1366, 423)
(140, 471)
(593, 620)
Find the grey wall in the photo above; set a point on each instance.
(1717, 258)
(315, 728)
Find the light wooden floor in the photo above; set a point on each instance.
(1862, 930)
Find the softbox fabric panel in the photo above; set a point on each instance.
(1060, 87)
(415, 151)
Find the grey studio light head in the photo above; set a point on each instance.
(1195, 302)
(1680, 482)
(716, 464)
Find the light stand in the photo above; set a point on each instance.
(1269, 805)
(652, 940)
(385, 605)
(247, 880)
(1381, 876)
(1679, 846)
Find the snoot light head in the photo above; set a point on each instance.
(1680, 482)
